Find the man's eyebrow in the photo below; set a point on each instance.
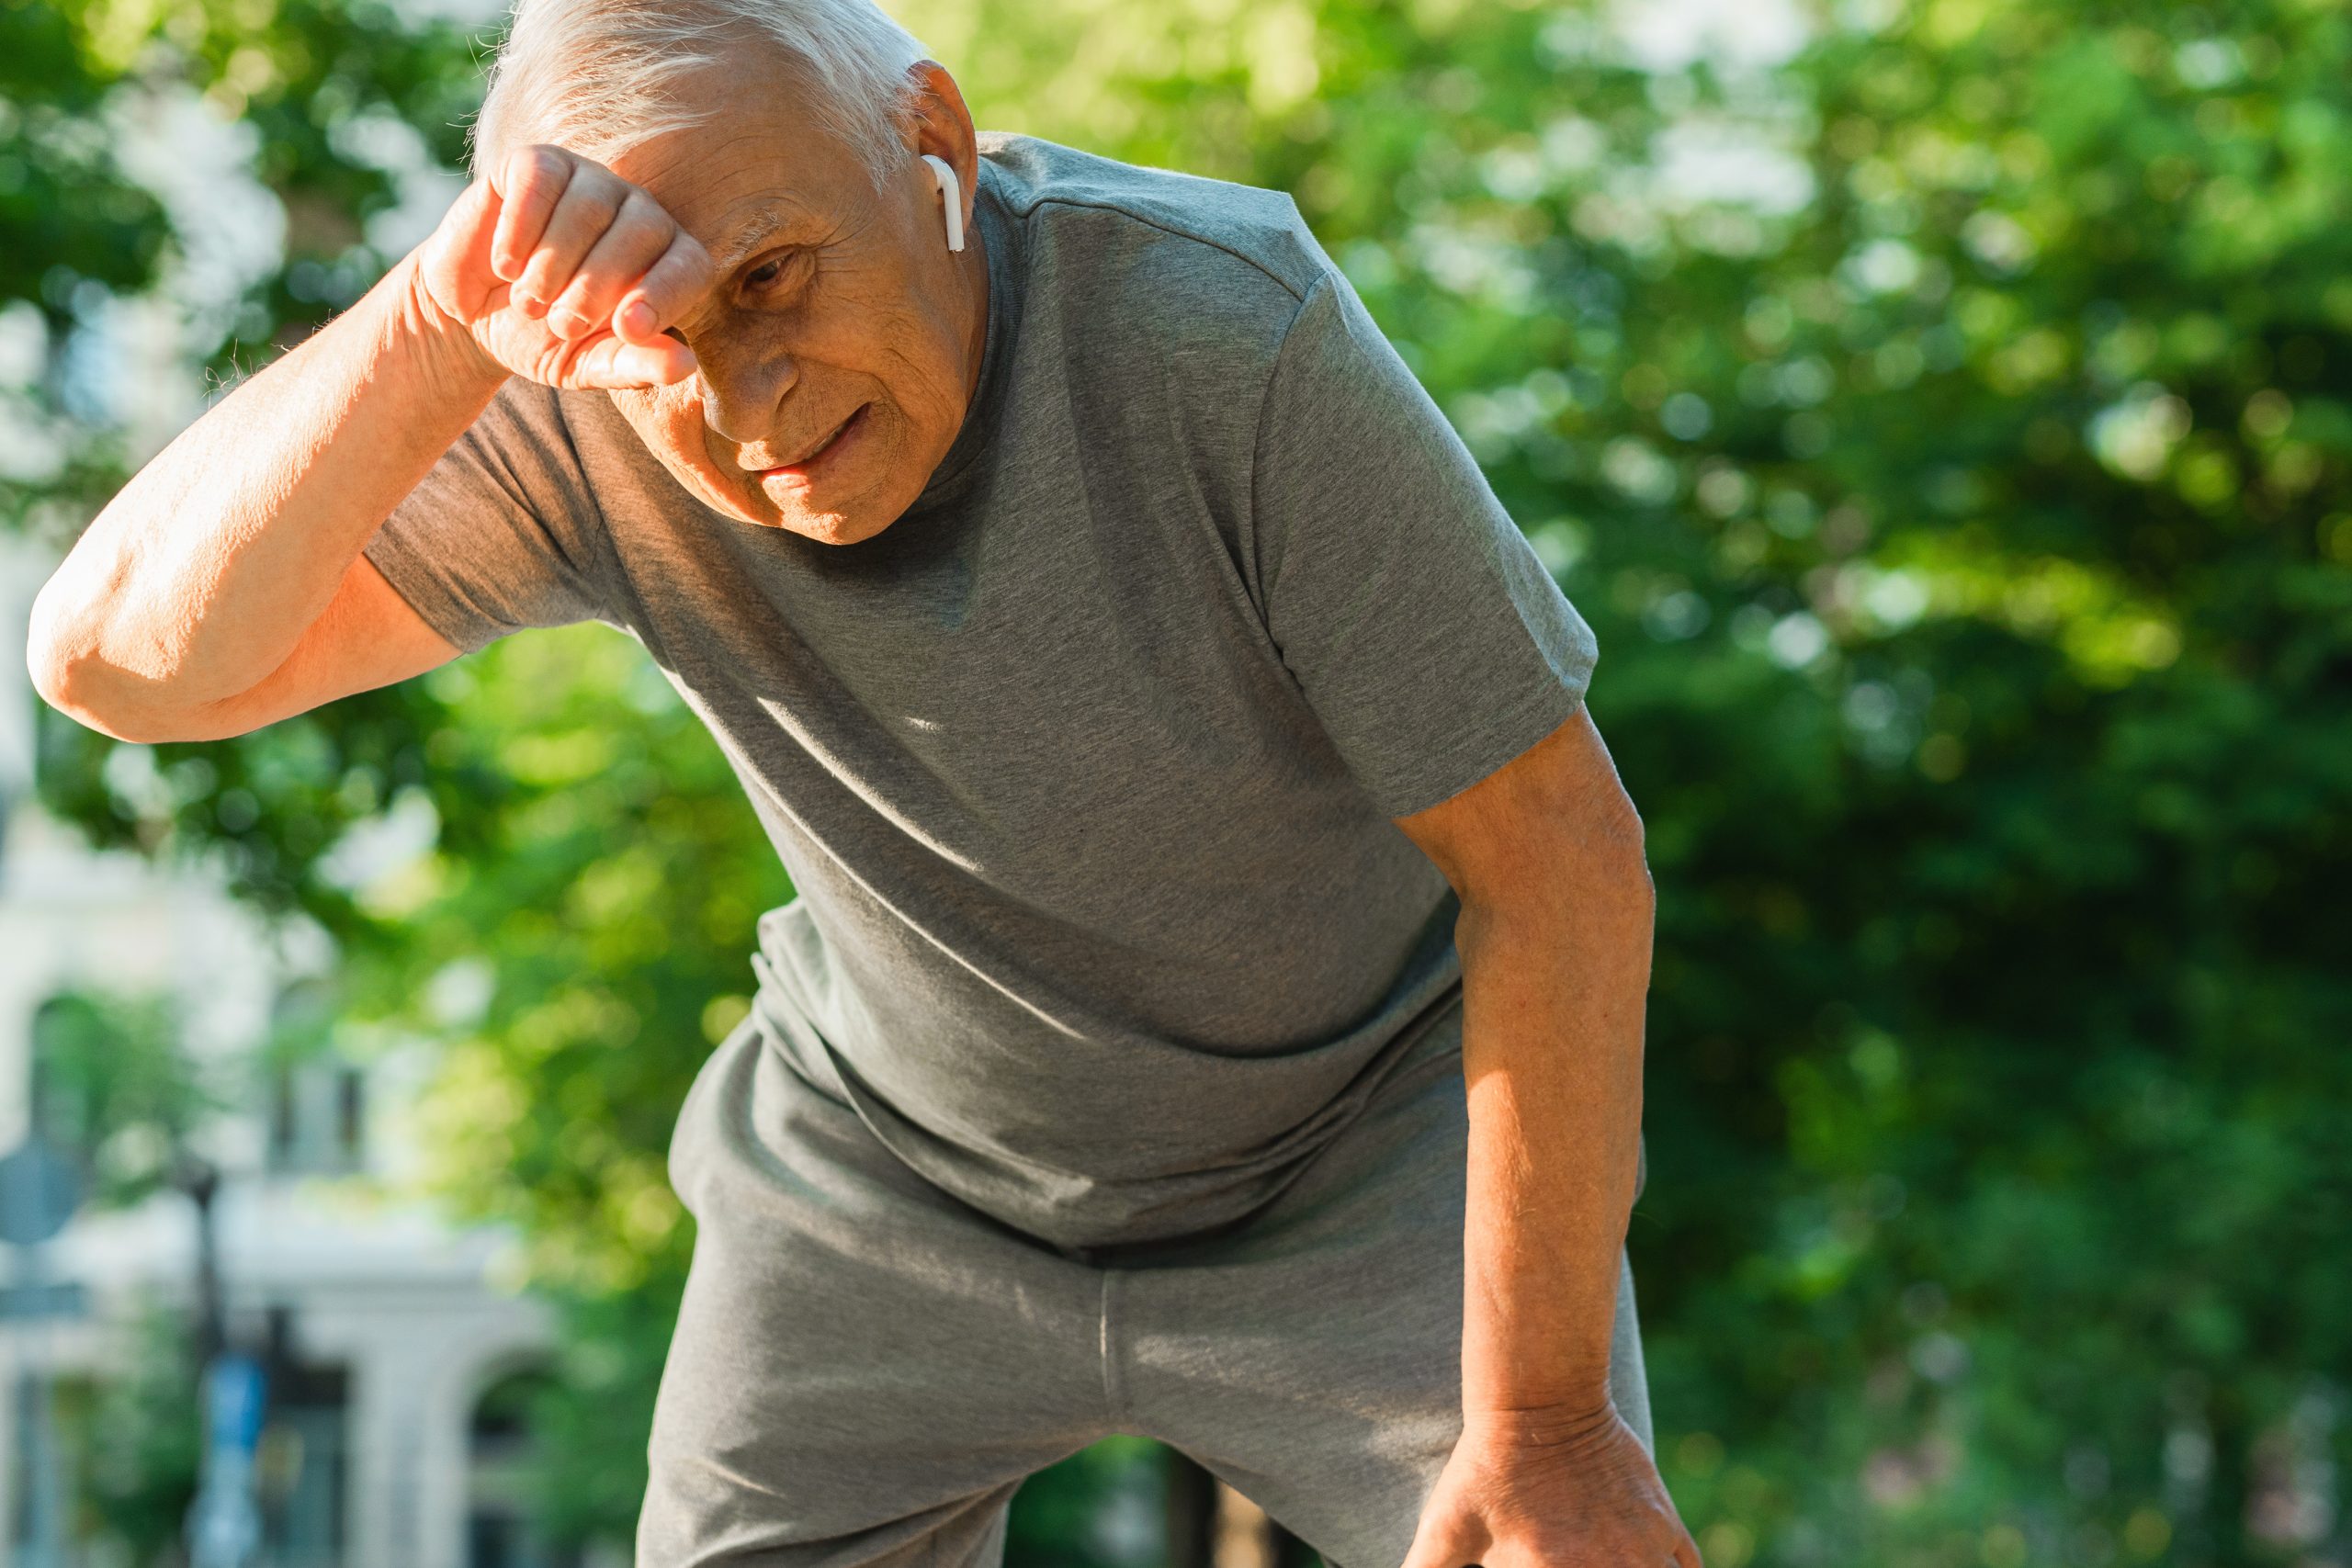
(747, 241)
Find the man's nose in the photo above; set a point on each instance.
(740, 393)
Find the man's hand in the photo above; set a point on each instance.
(1577, 1494)
(564, 274)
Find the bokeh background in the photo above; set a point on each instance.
(1942, 411)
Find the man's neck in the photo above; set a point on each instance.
(975, 257)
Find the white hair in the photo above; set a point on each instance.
(596, 76)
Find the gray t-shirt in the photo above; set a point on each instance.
(1084, 768)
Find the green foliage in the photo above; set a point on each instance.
(1958, 487)
(609, 876)
(310, 76)
(72, 230)
(109, 232)
(113, 1089)
(265, 808)
(137, 1439)
(1059, 1515)
(593, 1413)
(582, 943)
(75, 231)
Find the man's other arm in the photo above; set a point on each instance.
(1555, 935)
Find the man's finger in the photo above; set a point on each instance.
(669, 289)
(529, 182)
(610, 363)
(639, 236)
(590, 204)
(456, 265)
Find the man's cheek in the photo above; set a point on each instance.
(669, 421)
(649, 408)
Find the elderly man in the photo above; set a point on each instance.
(1212, 1006)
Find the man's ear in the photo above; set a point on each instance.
(940, 125)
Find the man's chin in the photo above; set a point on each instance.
(845, 520)
(834, 527)
(844, 524)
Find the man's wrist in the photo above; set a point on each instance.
(446, 348)
(1566, 1424)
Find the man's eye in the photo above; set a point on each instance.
(768, 272)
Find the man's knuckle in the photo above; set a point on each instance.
(671, 275)
(600, 190)
(636, 246)
(538, 170)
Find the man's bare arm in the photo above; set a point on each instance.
(223, 587)
(1554, 936)
(206, 573)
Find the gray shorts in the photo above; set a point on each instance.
(865, 1369)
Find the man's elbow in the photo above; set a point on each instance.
(84, 688)
(60, 675)
(1618, 846)
(68, 688)
(1604, 862)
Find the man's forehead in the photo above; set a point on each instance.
(735, 195)
(751, 170)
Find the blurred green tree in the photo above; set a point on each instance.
(136, 1435)
(115, 1091)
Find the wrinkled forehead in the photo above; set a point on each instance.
(741, 194)
(757, 172)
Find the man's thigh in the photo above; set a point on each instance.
(1313, 1357)
(864, 1368)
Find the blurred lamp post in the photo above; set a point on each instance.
(224, 1522)
(200, 1179)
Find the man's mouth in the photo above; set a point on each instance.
(839, 437)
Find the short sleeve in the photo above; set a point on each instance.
(502, 533)
(1426, 634)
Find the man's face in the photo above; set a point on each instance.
(842, 339)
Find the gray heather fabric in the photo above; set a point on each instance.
(865, 1369)
(1083, 769)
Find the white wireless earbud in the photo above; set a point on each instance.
(951, 195)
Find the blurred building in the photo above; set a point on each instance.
(394, 1437)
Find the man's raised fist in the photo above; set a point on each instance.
(565, 274)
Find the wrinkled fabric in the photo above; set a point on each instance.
(865, 1369)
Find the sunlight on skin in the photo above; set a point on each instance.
(848, 305)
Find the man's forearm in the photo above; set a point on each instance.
(1553, 995)
(201, 575)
